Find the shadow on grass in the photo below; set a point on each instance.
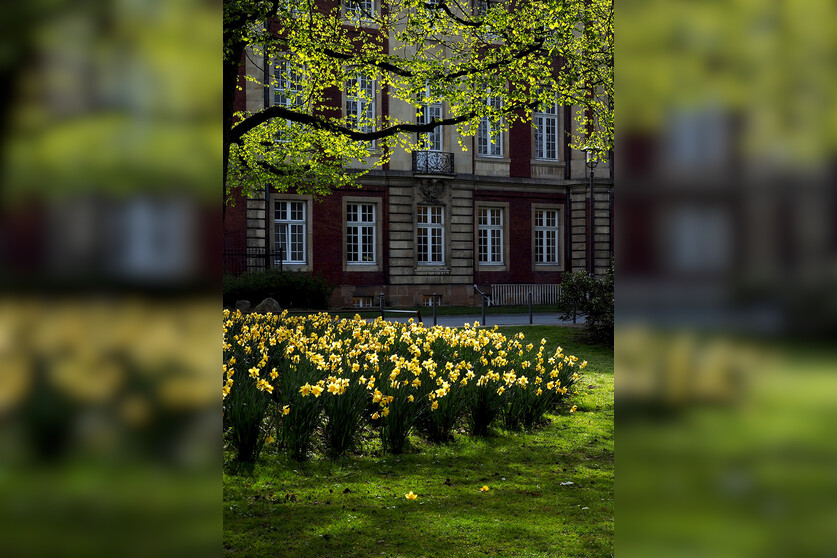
(356, 506)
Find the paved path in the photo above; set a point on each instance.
(491, 319)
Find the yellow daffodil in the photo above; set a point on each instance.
(316, 390)
(574, 409)
(286, 409)
(435, 405)
(305, 390)
(484, 489)
(410, 495)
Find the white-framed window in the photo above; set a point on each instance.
(480, 9)
(360, 10)
(490, 235)
(286, 87)
(360, 103)
(546, 132)
(289, 7)
(489, 136)
(548, 236)
(361, 302)
(430, 234)
(360, 233)
(289, 232)
(431, 141)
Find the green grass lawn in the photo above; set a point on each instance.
(355, 506)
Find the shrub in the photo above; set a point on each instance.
(591, 297)
(291, 289)
(575, 290)
(600, 309)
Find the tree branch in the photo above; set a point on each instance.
(251, 122)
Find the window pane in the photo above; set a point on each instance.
(351, 244)
(421, 245)
(296, 211)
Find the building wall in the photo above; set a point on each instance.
(515, 181)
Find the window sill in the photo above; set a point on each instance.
(494, 158)
(491, 267)
(287, 266)
(368, 267)
(548, 267)
(432, 269)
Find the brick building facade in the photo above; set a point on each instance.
(512, 211)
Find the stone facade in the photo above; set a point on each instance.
(513, 187)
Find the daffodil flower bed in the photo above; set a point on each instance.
(309, 374)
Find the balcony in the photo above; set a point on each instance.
(432, 162)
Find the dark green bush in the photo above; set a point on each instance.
(575, 289)
(592, 298)
(291, 289)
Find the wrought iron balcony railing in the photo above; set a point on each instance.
(432, 162)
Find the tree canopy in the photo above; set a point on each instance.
(522, 53)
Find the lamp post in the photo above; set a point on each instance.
(592, 162)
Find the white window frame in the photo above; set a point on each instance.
(290, 221)
(361, 301)
(489, 134)
(360, 10)
(292, 7)
(430, 224)
(356, 228)
(286, 77)
(544, 118)
(490, 233)
(542, 255)
(434, 139)
(361, 104)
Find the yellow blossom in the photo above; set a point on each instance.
(500, 390)
(410, 495)
(574, 409)
(375, 416)
(316, 390)
(286, 409)
(410, 398)
(484, 489)
(435, 405)
(305, 390)
(385, 411)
